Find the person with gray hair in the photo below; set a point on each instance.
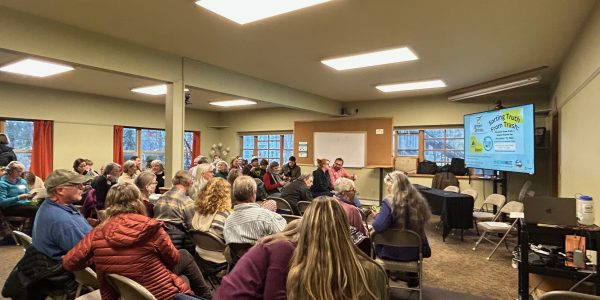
(15, 199)
(158, 168)
(345, 193)
(129, 172)
(298, 190)
(249, 222)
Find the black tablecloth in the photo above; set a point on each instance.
(455, 209)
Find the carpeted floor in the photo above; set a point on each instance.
(454, 270)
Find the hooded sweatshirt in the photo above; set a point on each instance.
(133, 246)
(6, 155)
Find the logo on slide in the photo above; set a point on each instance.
(518, 163)
(488, 143)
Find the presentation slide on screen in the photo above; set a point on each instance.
(501, 140)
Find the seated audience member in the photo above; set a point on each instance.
(59, 225)
(157, 167)
(236, 163)
(222, 169)
(133, 245)
(248, 222)
(345, 192)
(298, 190)
(146, 183)
(79, 166)
(176, 209)
(34, 183)
(6, 153)
(129, 172)
(403, 208)
(2, 171)
(321, 182)
(252, 169)
(149, 160)
(233, 174)
(337, 171)
(291, 170)
(204, 172)
(89, 168)
(213, 206)
(272, 179)
(138, 164)
(102, 184)
(15, 199)
(262, 168)
(277, 267)
(200, 159)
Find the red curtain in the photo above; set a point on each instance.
(41, 152)
(118, 156)
(196, 145)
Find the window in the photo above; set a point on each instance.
(20, 133)
(439, 145)
(150, 143)
(273, 146)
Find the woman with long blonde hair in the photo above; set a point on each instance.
(403, 208)
(213, 206)
(314, 260)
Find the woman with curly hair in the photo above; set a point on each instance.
(403, 208)
(213, 206)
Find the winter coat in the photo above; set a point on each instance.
(37, 275)
(6, 155)
(133, 246)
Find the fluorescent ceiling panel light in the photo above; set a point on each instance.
(246, 11)
(230, 103)
(154, 90)
(496, 88)
(409, 86)
(371, 59)
(34, 67)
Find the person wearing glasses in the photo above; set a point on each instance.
(59, 226)
(15, 198)
(337, 171)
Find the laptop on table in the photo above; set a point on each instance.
(550, 210)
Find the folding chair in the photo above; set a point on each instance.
(452, 188)
(496, 227)
(129, 289)
(7, 221)
(209, 242)
(282, 204)
(95, 295)
(400, 238)
(471, 192)
(302, 206)
(86, 278)
(23, 239)
(289, 218)
(482, 214)
(565, 295)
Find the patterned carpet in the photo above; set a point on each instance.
(454, 270)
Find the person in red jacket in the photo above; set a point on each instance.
(130, 244)
(272, 179)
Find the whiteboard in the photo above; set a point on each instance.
(350, 146)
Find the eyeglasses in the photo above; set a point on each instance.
(75, 185)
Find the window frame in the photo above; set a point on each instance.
(422, 138)
(138, 143)
(255, 134)
(3, 121)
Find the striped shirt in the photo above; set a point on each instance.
(214, 224)
(174, 207)
(249, 222)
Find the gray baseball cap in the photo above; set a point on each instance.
(62, 176)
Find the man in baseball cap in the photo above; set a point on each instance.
(58, 224)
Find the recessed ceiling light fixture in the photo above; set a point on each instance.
(154, 90)
(35, 67)
(410, 86)
(370, 59)
(246, 11)
(230, 103)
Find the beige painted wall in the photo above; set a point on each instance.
(84, 123)
(421, 111)
(576, 96)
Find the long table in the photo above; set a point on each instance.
(455, 209)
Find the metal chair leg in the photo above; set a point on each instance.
(479, 240)
(499, 242)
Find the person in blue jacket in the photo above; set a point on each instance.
(15, 199)
(403, 208)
